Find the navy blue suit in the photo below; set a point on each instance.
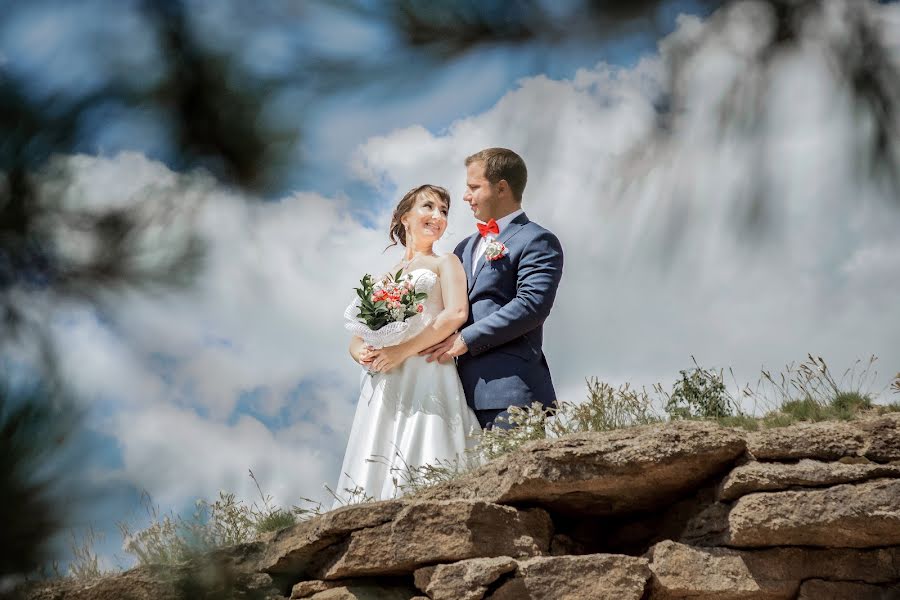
(509, 299)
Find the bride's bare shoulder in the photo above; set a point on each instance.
(448, 259)
(446, 263)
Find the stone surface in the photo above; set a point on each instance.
(464, 580)
(366, 592)
(829, 440)
(138, 584)
(767, 477)
(875, 438)
(305, 589)
(817, 589)
(883, 435)
(681, 571)
(206, 577)
(587, 577)
(603, 473)
(298, 551)
(426, 533)
(709, 527)
(851, 516)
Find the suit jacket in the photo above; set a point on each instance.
(509, 299)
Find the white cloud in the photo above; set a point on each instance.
(633, 306)
(264, 316)
(266, 313)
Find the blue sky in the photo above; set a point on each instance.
(250, 371)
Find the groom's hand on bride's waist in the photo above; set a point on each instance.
(446, 350)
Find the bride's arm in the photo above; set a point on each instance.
(456, 310)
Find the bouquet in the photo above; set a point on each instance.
(384, 309)
(392, 299)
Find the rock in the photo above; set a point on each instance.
(305, 589)
(764, 477)
(463, 580)
(587, 577)
(366, 592)
(876, 438)
(422, 576)
(209, 576)
(603, 473)
(884, 437)
(816, 589)
(298, 550)
(142, 583)
(681, 571)
(709, 527)
(828, 440)
(426, 533)
(851, 516)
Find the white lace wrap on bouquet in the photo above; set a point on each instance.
(396, 332)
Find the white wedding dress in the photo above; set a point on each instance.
(413, 415)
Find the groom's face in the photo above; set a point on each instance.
(480, 193)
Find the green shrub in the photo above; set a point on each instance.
(700, 393)
(805, 409)
(746, 422)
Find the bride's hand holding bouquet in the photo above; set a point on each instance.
(381, 316)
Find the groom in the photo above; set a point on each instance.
(513, 267)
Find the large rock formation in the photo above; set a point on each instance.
(682, 510)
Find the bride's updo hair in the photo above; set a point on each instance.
(398, 231)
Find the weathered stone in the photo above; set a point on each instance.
(464, 580)
(603, 473)
(587, 577)
(850, 516)
(426, 533)
(709, 527)
(305, 589)
(681, 571)
(883, 437)
(875, 438)
(422, 576)
(366, 592)
(209, 576)
(817, 589)
(142, 583)
(298, 550)
(828, 440)
(766, 477)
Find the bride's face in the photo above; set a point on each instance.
(427, 219)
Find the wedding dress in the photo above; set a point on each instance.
(413, 415)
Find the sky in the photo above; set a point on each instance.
(248, 369)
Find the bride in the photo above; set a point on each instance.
(410, 412)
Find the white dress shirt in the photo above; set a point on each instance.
(502, 223)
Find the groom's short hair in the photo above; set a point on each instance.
(502, 163)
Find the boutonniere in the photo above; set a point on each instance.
(495, 250)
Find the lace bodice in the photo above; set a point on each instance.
(425, 280)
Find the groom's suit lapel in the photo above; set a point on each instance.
(514, 227)
(467, 258)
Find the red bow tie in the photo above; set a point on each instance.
(491, 227)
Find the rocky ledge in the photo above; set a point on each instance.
(682, 510)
